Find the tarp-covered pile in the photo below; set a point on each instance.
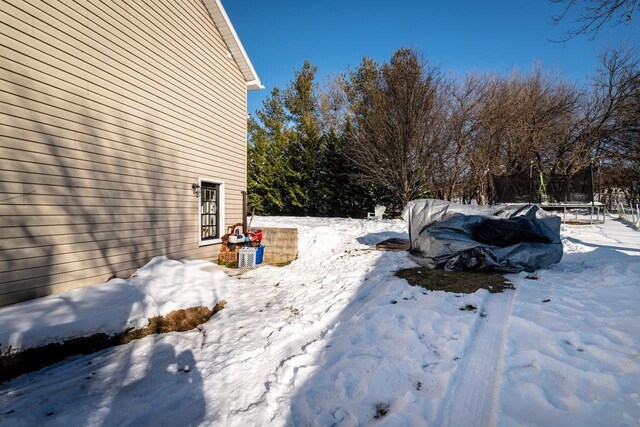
(505, 238)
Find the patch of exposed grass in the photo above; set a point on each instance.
(463, 282)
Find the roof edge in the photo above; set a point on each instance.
(231, 39)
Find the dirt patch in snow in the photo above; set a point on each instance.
(382, 409)
(32, 359)
(463, 282)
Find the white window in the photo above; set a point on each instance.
(211, 211)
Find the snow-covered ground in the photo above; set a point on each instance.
(335, 338)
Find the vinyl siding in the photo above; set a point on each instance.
(109, 112)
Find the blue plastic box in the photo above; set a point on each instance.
(259, 254)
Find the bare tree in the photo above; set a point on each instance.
(491, 120)
(452, 155)
(333, 104)
(617, 130)
(595, 14)
(398, 121)
(511, 120)
(543, 110)
(615, 98)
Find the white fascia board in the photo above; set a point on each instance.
(231, 39)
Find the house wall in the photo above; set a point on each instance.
(109, 111)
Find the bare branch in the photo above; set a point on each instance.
(594, 15)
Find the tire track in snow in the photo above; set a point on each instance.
(472, 399)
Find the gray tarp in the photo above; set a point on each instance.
(445, 235)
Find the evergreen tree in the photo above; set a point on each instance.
(345, 195)
(299, 165)
(271, 185)
(307, 149)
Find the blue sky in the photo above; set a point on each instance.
(460, 36)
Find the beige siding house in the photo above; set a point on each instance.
(122, 137)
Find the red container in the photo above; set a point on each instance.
(255, 235)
